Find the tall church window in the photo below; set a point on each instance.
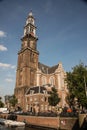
(44, 81)
(52, 81)
(32, 77)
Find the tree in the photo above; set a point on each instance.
(53, 98)
(13, 101)
(76, 82)
(1, 103)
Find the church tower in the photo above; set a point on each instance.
(27, 60)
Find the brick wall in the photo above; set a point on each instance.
(53, 122)
(41, 121)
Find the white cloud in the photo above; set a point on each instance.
(3, 48)
(3, 65)
(2, 34)
(9, 75)
(9, 80)
(12, 66)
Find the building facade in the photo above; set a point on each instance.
(32, 74)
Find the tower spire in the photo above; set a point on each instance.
(27, 61)
(29, 38)
(30, 13)
(30, 27)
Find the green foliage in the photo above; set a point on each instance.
(13, 101)
(53, 98)
(1, 103)
(76, 81)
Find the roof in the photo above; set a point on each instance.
(46, 69)
(36, 89)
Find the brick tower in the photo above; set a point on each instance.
(27, 61)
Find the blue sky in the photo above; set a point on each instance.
(61, 30)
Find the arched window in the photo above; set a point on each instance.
(52, 81)
(44, 82)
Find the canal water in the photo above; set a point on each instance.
(19, 128)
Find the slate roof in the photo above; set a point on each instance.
(36, 89)
(46, 69)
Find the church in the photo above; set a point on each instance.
(34, 79)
